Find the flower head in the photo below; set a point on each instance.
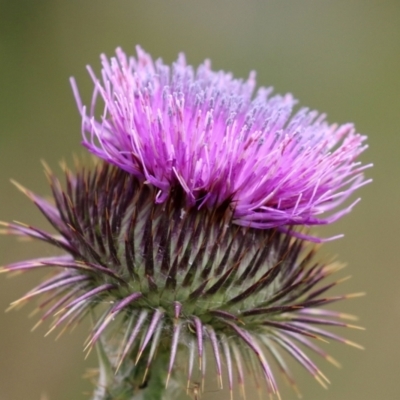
(206, 132)
(168, 283)
(184, 235)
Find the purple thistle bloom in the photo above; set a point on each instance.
(206, 132)
(184, 235)
(165, 283)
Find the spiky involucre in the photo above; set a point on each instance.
(178, 280)
(205, 132)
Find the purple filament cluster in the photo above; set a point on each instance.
(209, 134)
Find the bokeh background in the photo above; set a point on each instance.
(342, 57)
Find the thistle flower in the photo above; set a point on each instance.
(183, 236)
(205, 132)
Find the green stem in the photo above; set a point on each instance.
(156, 386)
(127, 383)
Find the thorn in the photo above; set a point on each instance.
(346, 278)
(138, 356)
(88, 345)
(64, 167)
(87, 339)
(321, 382)
(21, 223)
(354, 295)
(324, 377)
(119, 365)
(74, 327)
(321, 339)
(46, 166)
(88, 353)
(353, 344)
(242, 391)
(297, 391)
(361, 328)
(36, 325)
(167, 380)
(146, 371)
(60, 311)
(187, 387)
(12, 306)
(51, 329)
(61, 333)
(21, 188)
(16, 306)
(23, 299)
(34, 312)
(221, 385)
(334, 267)
(348, 316)
(333, 361)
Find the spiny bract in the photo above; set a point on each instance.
(168, 281)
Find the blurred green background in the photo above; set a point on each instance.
(340, 57)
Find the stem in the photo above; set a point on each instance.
(155, 389)
(127, 383)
